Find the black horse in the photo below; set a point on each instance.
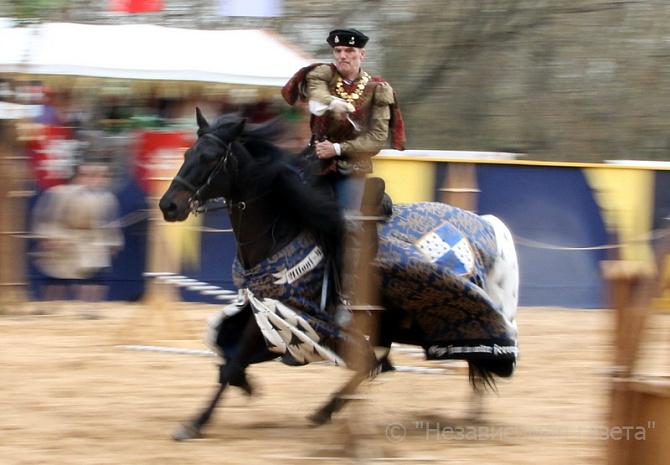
(447, 278)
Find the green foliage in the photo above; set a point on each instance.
(34, 9)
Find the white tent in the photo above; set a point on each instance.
(253, 57)
(14, 48)
(17, 111)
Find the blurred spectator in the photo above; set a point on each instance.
(78, 231)
(48, 113)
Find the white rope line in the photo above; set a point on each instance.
(225, 294)
(131, 218)
(213, 230)
(311, 458)
(143, 214)
(642, 239)
(169, 350)
(209, 353)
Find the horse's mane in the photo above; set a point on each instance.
(275, 169)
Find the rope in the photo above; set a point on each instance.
(129, 219)
(643, 239)
(211, 230)
(143, 214)
(209, 353)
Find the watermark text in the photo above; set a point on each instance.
(436, 431)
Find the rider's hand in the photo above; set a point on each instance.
(341, 106)
(325, 150)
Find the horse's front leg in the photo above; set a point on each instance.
(251, 349)
(192, 430)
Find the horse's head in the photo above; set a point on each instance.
(208, 170)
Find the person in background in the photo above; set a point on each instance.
(351, 115)
(79, 234)
(97, 215)
(49, 114)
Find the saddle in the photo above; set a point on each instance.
(376, 202)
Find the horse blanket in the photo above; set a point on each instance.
(453, 275)
(284, 292)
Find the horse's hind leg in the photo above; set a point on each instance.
(366, 363)
(251, 349)
(338, 400)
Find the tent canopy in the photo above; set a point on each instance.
(254, 57)
(17, 111)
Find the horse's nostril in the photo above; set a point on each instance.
(166, 205)
(169, 208)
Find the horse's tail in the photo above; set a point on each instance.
(482, 373)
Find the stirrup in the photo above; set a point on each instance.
(343, 315)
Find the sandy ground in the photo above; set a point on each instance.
(71, 393)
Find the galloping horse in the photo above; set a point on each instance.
(448, 278)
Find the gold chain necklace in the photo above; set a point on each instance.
(355, 95)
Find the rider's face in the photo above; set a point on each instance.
(348, 60)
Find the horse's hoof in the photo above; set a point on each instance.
(319, 418)
(186, 432)
(246, 387)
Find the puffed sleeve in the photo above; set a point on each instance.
(373, 140)
(317, 85)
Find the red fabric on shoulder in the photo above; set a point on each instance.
(396, 124)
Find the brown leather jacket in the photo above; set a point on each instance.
(375, 112)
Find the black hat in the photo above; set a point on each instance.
(347, 38)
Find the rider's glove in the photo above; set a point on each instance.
(341, 106)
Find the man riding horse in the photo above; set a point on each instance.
(448, 278)
(351, 113)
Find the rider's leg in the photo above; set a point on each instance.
(349, 192)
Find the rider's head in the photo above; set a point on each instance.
(348, 50)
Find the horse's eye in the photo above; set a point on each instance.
(208, 158)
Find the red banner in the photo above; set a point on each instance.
(53, 153)
(136, 6)
(159, 156)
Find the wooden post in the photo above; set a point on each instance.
(631, 287)
(365, 294)
(662, 302)
(13, 275)
(630, 291)
(460, 186)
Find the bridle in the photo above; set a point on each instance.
(195, 202)
(197, 205)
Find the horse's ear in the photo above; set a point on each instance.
(202, 122)
(239, 127)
